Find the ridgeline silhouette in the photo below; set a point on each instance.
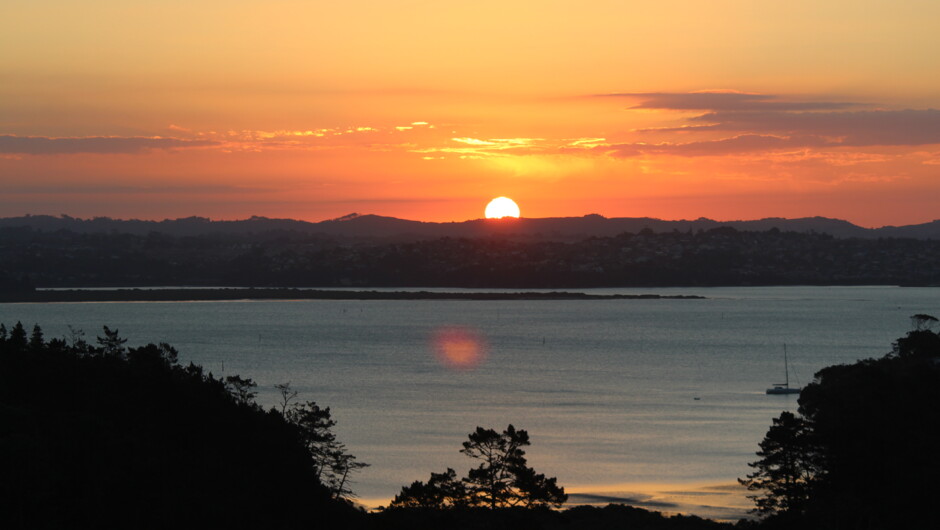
(389, 229)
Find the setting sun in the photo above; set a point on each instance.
(502, 207)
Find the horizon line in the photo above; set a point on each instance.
(355, 215)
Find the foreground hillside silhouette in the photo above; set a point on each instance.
(107, 436)
(112, 437)
(862, 451)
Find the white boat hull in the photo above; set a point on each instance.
(783, 390)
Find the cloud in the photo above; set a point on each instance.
(737, 144)
(29, 188)
(473, 141)
(858, 128)
(226, 141)
(41, 145)
(479, 148)
(763, 122)
(723, 101)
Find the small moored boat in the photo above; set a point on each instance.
(784, 388)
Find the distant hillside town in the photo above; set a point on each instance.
(39, 252)
(389, 229)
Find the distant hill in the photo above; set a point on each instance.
(375, 227)
(371, 251)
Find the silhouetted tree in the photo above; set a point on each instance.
(243, 390)
(493, 482)
(418, 495)
(112, 345)
(316, 427)
(76, 341)
(787, 467)
(17, 341)
(332, 463)
(287, 395)
(862, 453)
(153, 354)
(922, 322)
(534, 489)
(502, 479)
(453, 491)
(442, 490)
(920, 342)
(36, 341)
(342, 465)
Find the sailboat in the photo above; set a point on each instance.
(784, 388)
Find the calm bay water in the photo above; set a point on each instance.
(614, 393)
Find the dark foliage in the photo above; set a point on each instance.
(116, 437)
(610, 517)
(332, 463)
(442, 490)
(787, 467)
(502, 479)
(868, 431)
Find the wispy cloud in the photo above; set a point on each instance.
(712, 123)
(151, 189)
(357, 136)
(478, 148)
(745, 143)
(42, 145)
(226, 141)
(722, 100)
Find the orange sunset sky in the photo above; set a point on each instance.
(425, 110)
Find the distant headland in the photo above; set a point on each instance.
(179, 295)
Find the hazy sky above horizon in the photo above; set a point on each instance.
(729, 109)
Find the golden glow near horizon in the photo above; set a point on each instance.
(313, 109)
(501, 207)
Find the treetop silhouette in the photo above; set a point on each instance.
(501, 479)
(861, 452)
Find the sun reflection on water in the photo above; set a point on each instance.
(458, 348)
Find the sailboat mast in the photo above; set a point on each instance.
(784, 388)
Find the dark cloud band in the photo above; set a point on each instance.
(723, 101)
(761, 122)
(41, 145)
(858, 128)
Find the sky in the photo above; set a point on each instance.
(426, 110)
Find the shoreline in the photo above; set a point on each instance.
(716, 500)
(250, 293)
